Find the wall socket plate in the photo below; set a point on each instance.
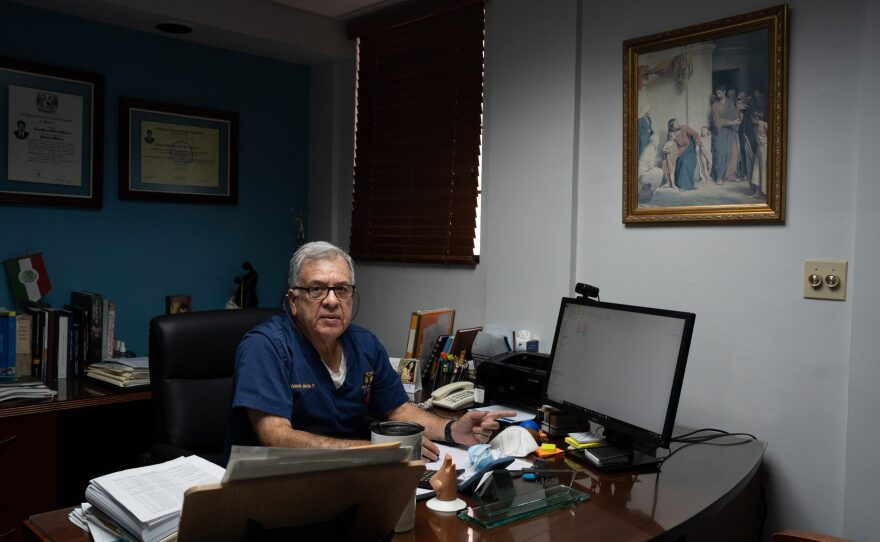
(822, 269)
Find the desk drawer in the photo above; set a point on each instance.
(12, 528)
(28, 462)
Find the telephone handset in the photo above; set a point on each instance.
(454, 396)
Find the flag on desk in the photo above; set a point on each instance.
(28, 277)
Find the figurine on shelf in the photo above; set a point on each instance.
(246, 293)
(445, 486)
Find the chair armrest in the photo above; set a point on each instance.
(791, 535)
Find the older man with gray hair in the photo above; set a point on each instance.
(308, 378)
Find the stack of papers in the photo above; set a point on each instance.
(146, 501)
(101, 528)
(24, 388)
(122, 372)
(584, 439)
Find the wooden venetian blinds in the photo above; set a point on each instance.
(419, 122)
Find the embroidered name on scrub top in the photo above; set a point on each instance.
(367, 385)
(302, 386)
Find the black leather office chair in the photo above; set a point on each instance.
(192, 362)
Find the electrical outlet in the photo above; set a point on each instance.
(825, 279)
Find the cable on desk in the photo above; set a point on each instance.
(688, 440)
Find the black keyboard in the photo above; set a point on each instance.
(425, 480)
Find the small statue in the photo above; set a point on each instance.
(445, 486)
(246, 293)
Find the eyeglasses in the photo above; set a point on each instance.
(319, 293)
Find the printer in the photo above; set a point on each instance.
(515, 378)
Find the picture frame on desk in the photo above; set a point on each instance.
(52, 121)
(178, 304)
(704, 122)
(175, 153)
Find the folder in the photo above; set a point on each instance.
(358, 503)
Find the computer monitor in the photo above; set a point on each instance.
(622, 367)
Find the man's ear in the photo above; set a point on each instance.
(291, 295)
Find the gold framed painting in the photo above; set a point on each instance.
(704, 122)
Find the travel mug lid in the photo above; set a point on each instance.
(397, 429)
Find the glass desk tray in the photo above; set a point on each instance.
(508, 496)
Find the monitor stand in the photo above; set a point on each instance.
(639, 461)
(640, 458)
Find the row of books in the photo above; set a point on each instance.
(8, 324)
(63, 342)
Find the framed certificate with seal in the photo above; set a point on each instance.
(52, 136)
(176, 153)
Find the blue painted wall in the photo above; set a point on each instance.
(137, 253)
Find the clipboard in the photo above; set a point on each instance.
(363, 502)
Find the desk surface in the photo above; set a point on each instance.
(75, 393)
(694, 485)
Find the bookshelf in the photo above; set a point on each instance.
(50, 449)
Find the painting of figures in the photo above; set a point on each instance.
(704, 122)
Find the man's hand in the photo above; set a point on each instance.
(430, 451)
(477, 427)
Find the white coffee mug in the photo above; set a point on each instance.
(408, 434)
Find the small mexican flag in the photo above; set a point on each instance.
(28, 277)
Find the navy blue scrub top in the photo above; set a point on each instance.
(277, 371)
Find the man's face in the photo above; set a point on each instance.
(322, 321)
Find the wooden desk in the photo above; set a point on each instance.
(51, 449)
(704, 493)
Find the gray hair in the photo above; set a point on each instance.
(316, 250)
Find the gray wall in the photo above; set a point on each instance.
(763, 360)
(862, 473)
(798, 373)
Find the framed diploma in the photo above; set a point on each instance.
(176, 153)
(52, 123)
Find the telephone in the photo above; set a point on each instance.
(454, 396)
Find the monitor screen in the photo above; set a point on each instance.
(620, 366)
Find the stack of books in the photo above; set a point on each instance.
(122, 372)
(24, 388)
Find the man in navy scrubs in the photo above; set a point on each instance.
(307, 378)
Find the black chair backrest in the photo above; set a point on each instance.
(192, 363)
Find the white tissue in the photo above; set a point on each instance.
(514, 441)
